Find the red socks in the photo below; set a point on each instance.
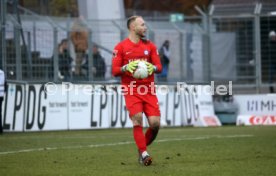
(142, 141)
(139, 138)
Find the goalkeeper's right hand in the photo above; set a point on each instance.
(130, 66)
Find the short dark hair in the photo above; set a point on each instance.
(64, 41)
(131, 19)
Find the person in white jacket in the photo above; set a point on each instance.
(2, 93)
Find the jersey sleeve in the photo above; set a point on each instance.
(155, 58)
(117, 60)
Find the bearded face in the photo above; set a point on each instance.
(140, 28)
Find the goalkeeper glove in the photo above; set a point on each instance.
(151, 68)
(130, 66)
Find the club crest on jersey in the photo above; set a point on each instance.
(146, 52)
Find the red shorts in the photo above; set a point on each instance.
(142, 103)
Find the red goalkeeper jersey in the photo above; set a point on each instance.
(127, 51)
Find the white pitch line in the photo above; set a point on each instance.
(122, 143)
(205, 137)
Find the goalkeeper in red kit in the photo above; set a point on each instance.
(139, 94)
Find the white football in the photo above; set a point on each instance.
(141, 71)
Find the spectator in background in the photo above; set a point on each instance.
(2, 93)
(164, 52)
(272, 59)
(79, 38)
(99, 66)
(98, 63)
(64, 60)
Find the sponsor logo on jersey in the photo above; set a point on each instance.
(139, 59)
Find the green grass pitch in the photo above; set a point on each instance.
(222, 151)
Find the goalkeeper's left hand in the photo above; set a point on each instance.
(151, 68)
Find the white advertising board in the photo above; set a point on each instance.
(262, 104)
(13, 108)
(45, 111)
(256, 109)
(256, 120)
(69, 106)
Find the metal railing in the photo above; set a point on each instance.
(231, 47)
